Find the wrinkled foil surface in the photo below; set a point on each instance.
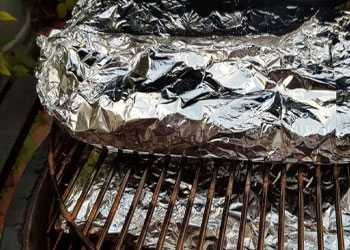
(215, 218)
(265, 84)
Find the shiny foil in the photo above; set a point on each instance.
(265, 84)
(232, 230)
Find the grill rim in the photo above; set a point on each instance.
(280, 244)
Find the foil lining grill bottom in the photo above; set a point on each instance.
(111, 199)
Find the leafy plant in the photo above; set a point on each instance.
(17, 63)
(4, 16)
(63, 8)
(4, 67)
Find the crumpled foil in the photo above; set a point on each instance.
(232, 231)
(265, 84)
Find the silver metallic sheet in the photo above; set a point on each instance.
(253, 218)
(190, 17)
(247, 95)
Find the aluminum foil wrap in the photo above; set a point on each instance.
(264, 84)
(215, 219)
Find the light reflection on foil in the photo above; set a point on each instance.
(232, 230)
(131, 75)
(266, 84)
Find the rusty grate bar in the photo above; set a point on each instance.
(131, 210)
(339, 220)
(89, 183)
(225, 211)
(80, 166)
(113, 210)
(85, 191)
(301, 208)
(60, 147)
(282, 209)
(210, 198)
(99, 198)
(319, 215)
(262, 223)
(119, 244)
(66, 161)
(170, 207)
(186, 218)
(60, 152)
(62, 207)
(243, 220)
(151, 208)
(57, 241)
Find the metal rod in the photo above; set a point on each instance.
(225, 212)
(243, 220)
(206, 214)
(282, 209)
(89, 183)
(62, 207)
(99, 199)
(131, 210)
(66, 161)
(52, 213)
(81, 164)
(188, 211)
(76, 174)
(170, 208)
(60, 152)
(301, 208)
(59, 148)
(86, 188)
(319, 209)
(262, 223)
(97, 204)
(113, 210)
(58, 240)
(70, 222)
(341, 245)
(151, 210)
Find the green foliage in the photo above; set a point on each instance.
(4, 67)
(4, 16)
(17, 63)
(63, 8)
(19, 70)
(70, 4)
(4, 39)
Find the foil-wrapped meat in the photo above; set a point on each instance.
(264, 84)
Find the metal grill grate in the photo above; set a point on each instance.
(67, 161)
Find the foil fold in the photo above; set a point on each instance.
(160, 77)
